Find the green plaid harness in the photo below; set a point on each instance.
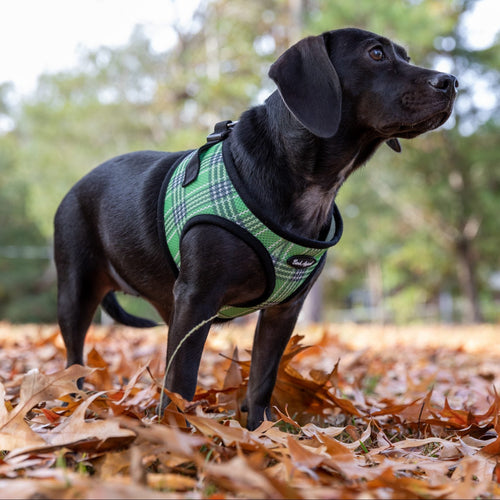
(210, 196)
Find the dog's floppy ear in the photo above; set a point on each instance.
(309, 85)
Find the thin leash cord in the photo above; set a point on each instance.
(193, 330)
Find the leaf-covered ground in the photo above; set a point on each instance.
(366, 412)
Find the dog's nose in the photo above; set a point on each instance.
(443, 82)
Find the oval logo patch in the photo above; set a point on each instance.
(301, 261)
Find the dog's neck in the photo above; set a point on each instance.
(293, 174)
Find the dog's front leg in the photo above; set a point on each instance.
(274, 329)
(199, 292)
(193, 310)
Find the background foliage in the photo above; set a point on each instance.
(420, 236)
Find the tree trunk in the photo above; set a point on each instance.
(375, 285)
(312, 310)
(467, 277)
(296, 22)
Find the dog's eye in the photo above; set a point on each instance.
(377, 54)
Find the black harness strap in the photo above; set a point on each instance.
(221, 131)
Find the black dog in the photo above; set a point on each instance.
(341, 95)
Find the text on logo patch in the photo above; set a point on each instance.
(301, 261)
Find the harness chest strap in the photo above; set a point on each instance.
(216, 195)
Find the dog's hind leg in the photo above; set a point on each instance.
(80, 279)
(76, 306)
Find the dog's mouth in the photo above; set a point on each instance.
(432, 121)
(414, 129)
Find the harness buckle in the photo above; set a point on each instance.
(221, 131)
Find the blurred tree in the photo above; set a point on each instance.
(23, 250)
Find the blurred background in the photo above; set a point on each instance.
(82, 81)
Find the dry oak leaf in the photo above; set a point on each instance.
(230, 435)
(406, 487)
(472, 477)
(445, 448)
(300, 393)
(492, 448)
(76, 432)
(76, 429)
(304, 457)
(179, 442)
(14, 431)
(95, 360)
(241, 475)
(36, 387)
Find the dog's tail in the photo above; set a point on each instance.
(116, 311)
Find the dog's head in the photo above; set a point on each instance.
(354, 74)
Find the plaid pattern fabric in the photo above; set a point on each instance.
(213, 193)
